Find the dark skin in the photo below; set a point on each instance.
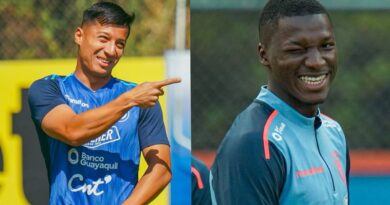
(301, 60)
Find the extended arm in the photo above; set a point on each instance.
(155, 178)
(76, 129)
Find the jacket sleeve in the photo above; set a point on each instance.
(241, 173)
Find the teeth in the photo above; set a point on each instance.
(312, 80)
(104, 61)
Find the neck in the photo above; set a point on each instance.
(307, 110)
(91, 81)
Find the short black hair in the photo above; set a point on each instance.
(108, 13)
(277, 9)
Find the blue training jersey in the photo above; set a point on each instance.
(105, 169)
(274, 155)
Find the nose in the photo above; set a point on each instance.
(110, 50)
(314, 59)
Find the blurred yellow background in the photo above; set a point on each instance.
(20, 74)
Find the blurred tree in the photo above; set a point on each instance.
(44, 28)
(226, 75)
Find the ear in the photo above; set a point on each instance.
(78, 35)
(262, 54)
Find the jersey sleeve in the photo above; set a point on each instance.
(241, 173)
(151, 127)
(43, 96)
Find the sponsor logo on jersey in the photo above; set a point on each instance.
(124, 117)
(111, 135)
(77, 102)
(73, 156)
(91, 161)
(91, 188)
(278, 131)
(327, 123)
(331, 124)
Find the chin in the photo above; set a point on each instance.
(99, 71)
(314, 100)
(101, 74)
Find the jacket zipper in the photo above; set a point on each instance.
(327, 166)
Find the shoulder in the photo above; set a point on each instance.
(331, 124)
(47, 80)
(200, 166)
(200, 172)
(127, 84)
(44, 85)
(252, 119)
(245, 137)
(43, 95)
(241, 170)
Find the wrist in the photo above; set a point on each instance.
(127, 101)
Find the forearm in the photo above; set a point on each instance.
(91, 124)
(83, 127)
(155, 178)
(149, 186)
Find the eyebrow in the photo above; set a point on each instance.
(299, 42)
(103, 32)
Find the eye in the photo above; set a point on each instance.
(121, 45)
(295, 50)
(103, 38)
(328, 46)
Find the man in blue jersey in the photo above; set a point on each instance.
(282, 149)
(92, 127)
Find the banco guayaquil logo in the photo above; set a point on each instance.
(111, 135)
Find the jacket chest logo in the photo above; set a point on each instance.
(277, 133)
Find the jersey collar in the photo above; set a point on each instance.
(286, 110)
(102, 89)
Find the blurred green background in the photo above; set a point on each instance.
(44, 28)
(226, 74)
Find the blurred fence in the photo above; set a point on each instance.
(45, 28)
(226, 74)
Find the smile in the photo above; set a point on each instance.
(313, 80)
(104, 61)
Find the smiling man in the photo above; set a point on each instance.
(282, 149)
(92, 127)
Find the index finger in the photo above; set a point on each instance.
(166, 82)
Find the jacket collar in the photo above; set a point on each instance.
(286, 110)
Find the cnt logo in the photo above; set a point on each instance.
(88, 188)
(110, 136)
